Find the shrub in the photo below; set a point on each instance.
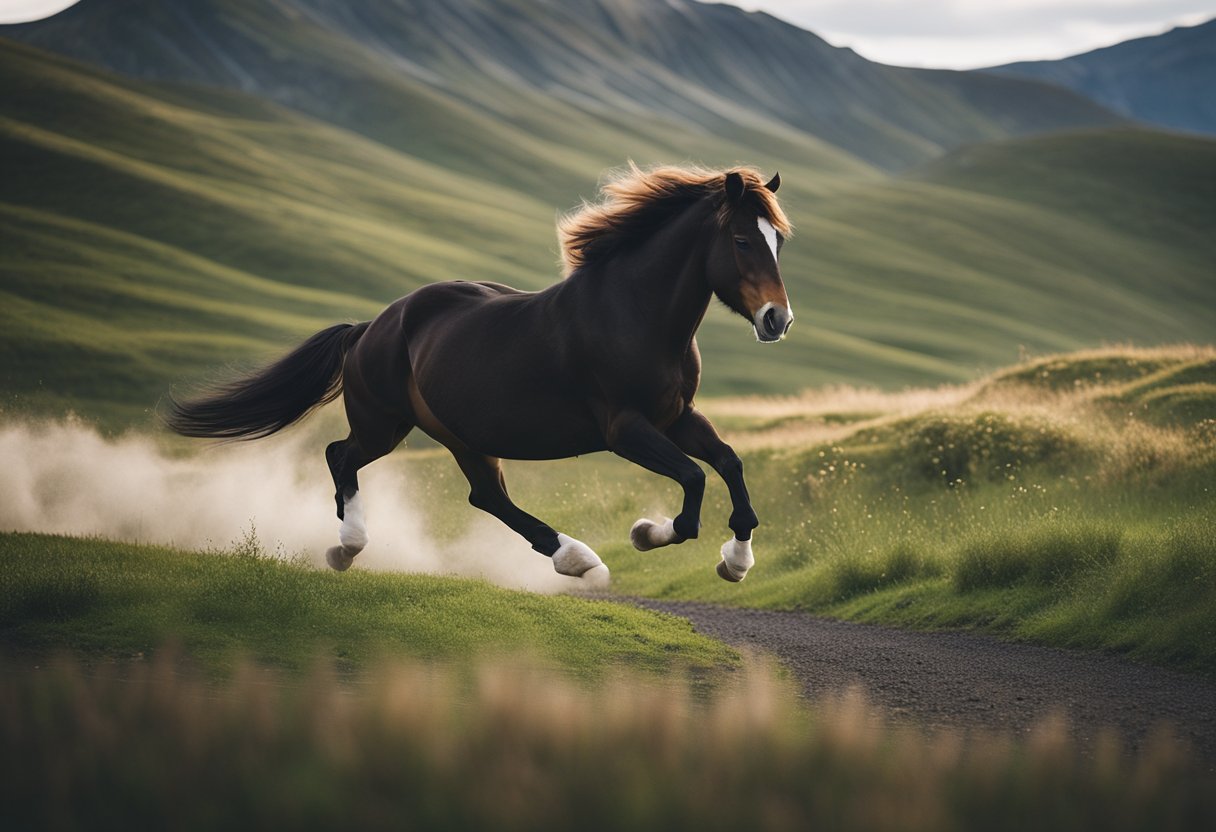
(1041, 556)
(852, 576)
(949, 448)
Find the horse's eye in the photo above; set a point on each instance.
(742, 244)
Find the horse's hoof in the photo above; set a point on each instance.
(737, 559)
(575, 558)
(597, 578)
(339, 558)
(647, 534)
(725, 574)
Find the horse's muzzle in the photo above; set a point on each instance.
(772, 322)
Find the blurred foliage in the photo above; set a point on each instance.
(513, 747)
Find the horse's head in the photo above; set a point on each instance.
(742, 265)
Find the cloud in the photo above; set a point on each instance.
(23, 11)
(970, 33)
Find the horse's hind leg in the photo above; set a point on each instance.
(345, 457)
(489, 493)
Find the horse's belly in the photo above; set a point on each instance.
(495, 423)
(536, 436)
(498, 408)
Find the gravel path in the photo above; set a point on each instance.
(964, 680)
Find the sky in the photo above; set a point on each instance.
(958, 34)
(963, 34)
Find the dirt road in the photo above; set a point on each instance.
(964, 680)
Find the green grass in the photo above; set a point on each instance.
(107, 600)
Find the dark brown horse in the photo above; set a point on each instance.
(606, 359)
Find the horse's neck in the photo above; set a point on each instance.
(663, 280)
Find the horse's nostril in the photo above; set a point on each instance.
(770, 322)
(788, 324)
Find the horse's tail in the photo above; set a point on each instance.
(268, 401)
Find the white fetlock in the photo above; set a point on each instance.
(737, 559)
(647, 534)
(353, 534)
(575, 558)
(340, 558)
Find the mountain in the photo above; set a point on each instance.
(545, 76)
(153, 231)
(1166, 79)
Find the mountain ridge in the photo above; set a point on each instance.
(1164, 79)
(707, 67)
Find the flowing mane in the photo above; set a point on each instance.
(634, 201)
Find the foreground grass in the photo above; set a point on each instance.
(1068, 501)
(114, 600)
(508, 748)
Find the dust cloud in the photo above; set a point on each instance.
(66, 478)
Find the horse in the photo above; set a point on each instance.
(605, 359)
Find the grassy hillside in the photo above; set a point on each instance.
(1045, 244)
(155, 232)
(106, 601)
(552, 80)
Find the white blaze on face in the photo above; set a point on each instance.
(770, 235)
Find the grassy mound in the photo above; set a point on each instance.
(115, 600)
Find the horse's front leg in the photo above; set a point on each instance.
(695, 435)
(630, 435)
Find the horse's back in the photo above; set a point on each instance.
(441, 316)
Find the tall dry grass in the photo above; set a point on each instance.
(496, 747)
(1109, 398)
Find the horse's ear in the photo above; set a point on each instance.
(774, 183)
(734, 187)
